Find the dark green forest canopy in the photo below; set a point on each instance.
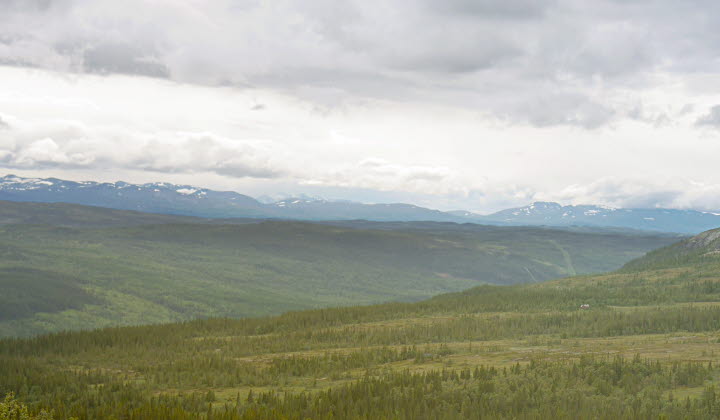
(89, 267)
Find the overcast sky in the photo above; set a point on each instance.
(452, 104)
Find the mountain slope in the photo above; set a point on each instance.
(141, 273)
(155, 197)
(318, 209)
(697, 251)
(63, 214)
(554, 214)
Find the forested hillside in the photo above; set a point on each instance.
(89, 267)
(646, 347)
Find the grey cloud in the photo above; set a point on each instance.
(711, 119)
(441, 55)
(656, 118)
(38, 5)
(241, 170)
(204, 152)
(122, 58)
(490, 8)
(580, 112)
(495, 56)
(551, 108)
(686, 109)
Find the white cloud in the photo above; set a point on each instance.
(671, 192)
(74, 144)
(39, 153)
(380, 174)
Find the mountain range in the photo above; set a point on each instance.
(187, 200)
(554, 214)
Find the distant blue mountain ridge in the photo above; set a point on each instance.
(166, 198)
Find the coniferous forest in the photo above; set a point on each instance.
(646, 347)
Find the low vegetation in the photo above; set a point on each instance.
(646, 347)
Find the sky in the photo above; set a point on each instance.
(460, 104)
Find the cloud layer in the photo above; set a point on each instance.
(542, 62)
(72, 144)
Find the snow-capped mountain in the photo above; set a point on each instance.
(554, 214)
(160, 197)
(156, 197)
(189, 200)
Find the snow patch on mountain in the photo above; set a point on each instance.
(162, 197)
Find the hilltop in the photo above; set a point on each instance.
(699, 250)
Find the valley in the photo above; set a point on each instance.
(69, 267)
(647, 347)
